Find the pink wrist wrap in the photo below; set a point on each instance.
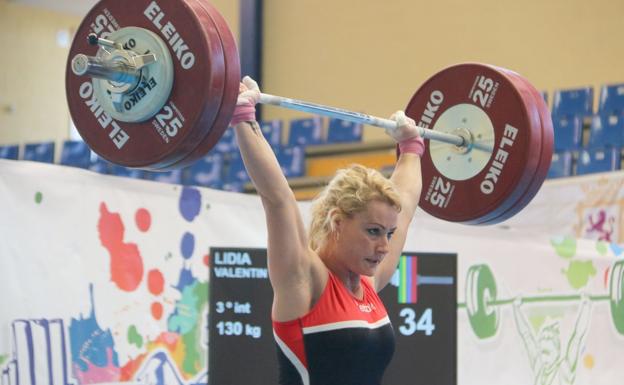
(243, 113)
(414, 145)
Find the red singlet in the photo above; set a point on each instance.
(341, 341)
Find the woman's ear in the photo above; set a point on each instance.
(335, 220)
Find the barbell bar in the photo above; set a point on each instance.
(465, 141)
(155, 84)
(121, 71)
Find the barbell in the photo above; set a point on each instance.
(482, 300)
(153, 85)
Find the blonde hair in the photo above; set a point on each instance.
(349, 192)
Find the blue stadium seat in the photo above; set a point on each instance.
(340, 131)
(568, 132)
(306, 131)
(292, 161)
(227, 142)
(235, 169)
(272, 131)
(75, 153)
(39, 152)
(598, 160)
(206, 172)
(611, 99)
(561, 165)
(573, 102)
(127, 172)
(606, 131)
(99, 165)
(172, 176)
(9, 152)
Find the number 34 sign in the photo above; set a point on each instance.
(410, 325)
(422, 304)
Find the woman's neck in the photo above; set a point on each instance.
(350, 279)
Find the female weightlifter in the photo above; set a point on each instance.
(330, 325)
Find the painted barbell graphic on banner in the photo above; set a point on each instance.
(551, 327)
(482, 302)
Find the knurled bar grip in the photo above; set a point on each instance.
(358, 117)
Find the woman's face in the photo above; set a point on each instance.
(363, 239)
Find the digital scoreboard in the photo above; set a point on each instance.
(421, 301)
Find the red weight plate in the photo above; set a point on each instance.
(196, 93)
(233, 73)
(211, 113)
(545, 157)
(230, 93)
(548, 141)
(514, 199)
(488, 98)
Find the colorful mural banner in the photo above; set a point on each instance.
(105, 279)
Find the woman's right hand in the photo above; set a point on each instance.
(248, 92)
(248, 97)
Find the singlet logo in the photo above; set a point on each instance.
(366, 308)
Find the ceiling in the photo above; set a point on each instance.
(72, 7)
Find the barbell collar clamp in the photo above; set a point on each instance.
(141, 61)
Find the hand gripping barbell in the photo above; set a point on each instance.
(153, 85)
(482, 299)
